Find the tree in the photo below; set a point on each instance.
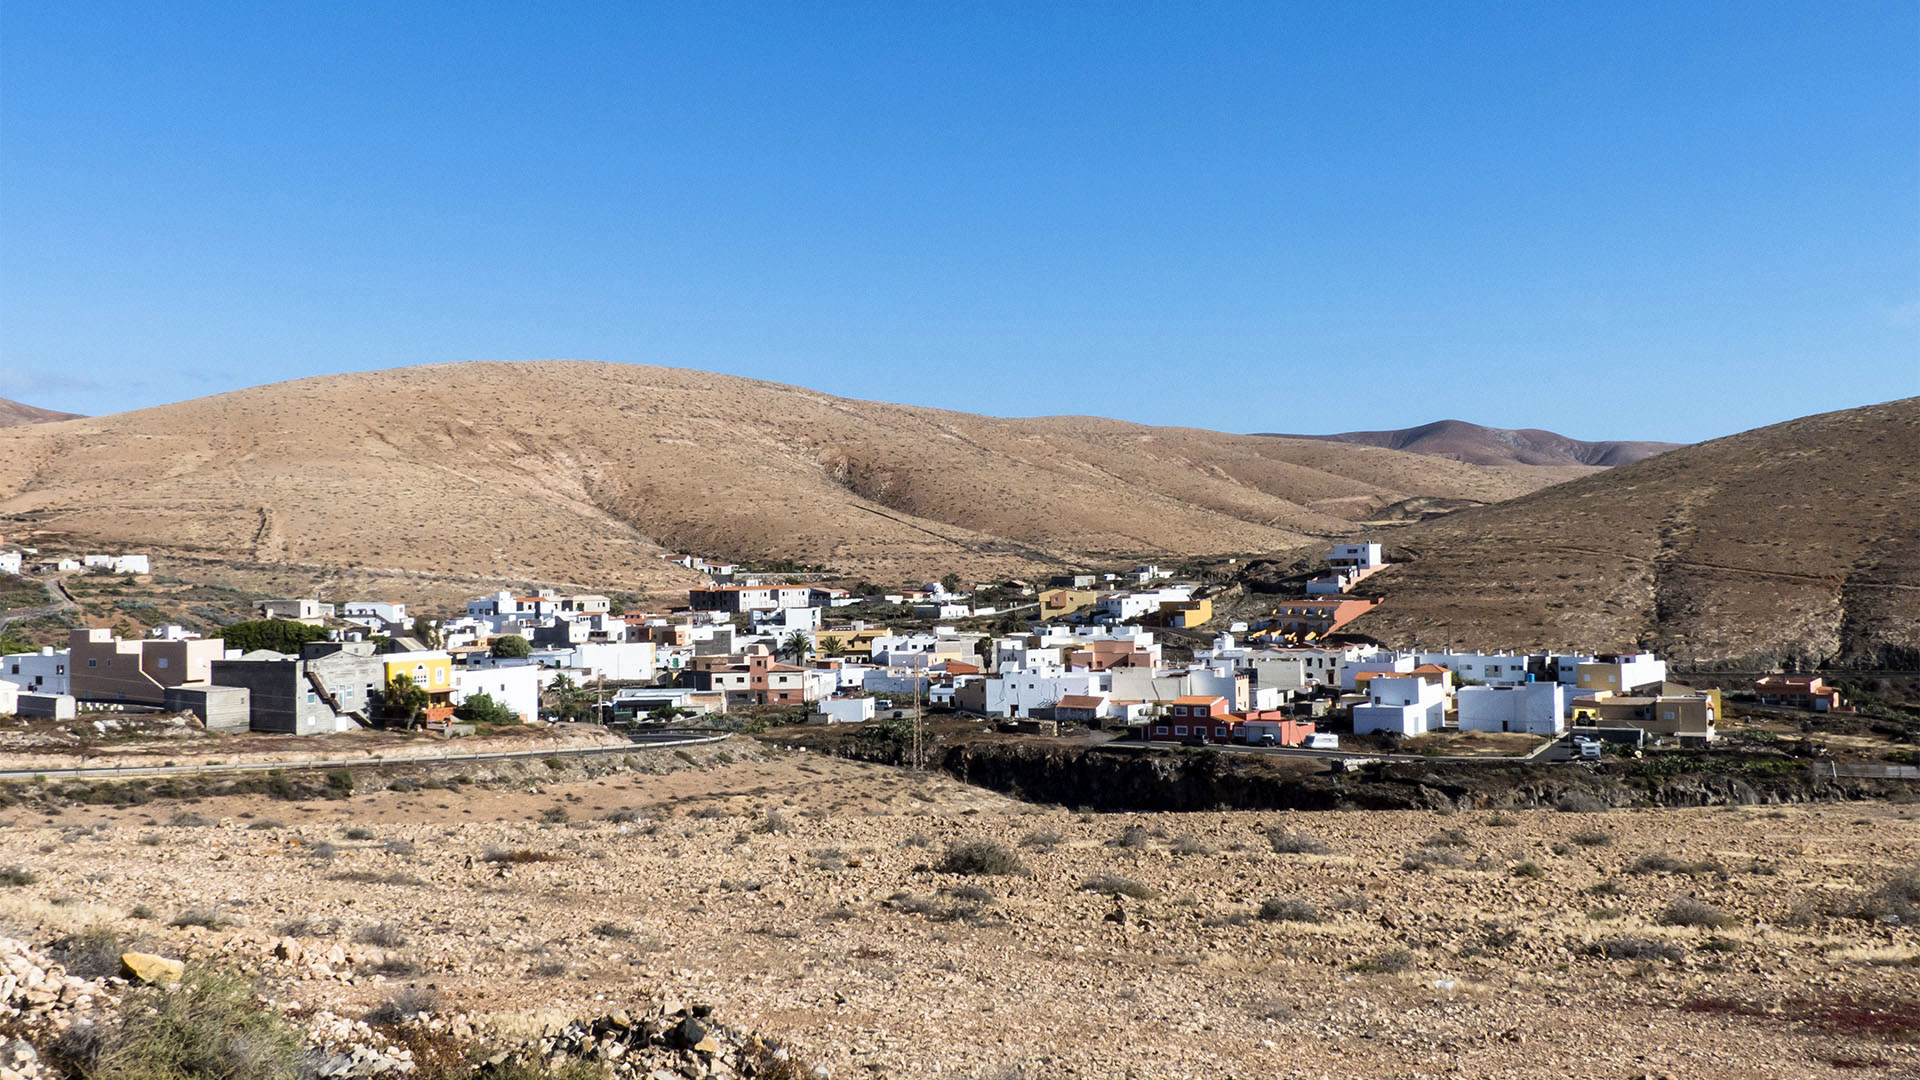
(510, 647)
(482, 709)
(278, 635)
(951, 582)
(569, 702)
(796, 647)
(426, 632)
(830, 646)
(403, 700)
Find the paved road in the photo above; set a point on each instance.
(648, 740)
(63, 601)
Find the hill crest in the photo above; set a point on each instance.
(1477, 444)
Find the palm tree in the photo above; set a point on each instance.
(830, 646)
(796, 647)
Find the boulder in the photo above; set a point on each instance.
(155, 970)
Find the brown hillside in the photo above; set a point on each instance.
(580, 472)
(1798, 540)
(14, 414)
(1472, 443)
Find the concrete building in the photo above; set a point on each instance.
(1401, 705)
(1620, 673)
(311, 612)
(330, 687)
(734, 599)
(752, 678)
(1356, 557)
(104, 668)
(224, 709)
(42, 672)
(10, 562)
(1318, 617)
(1662, 709)
(117, 564)
(1797, 692)
(1533, 708)
(839, 710)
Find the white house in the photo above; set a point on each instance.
(1018, 654)
(517, 688)
(1356, 556)
(839, 710)
(1621, 673)
(1390, 665)
(9, 562)
(1497, 669)
(117, 564)
(1410, 706)
(1019, 693)
(1534, 708)
(43, 672)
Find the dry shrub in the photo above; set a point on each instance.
(1285, 842)
(1689, 912)
(1274, 910)
(981, 857)
(1115, 885)
(1042, 839)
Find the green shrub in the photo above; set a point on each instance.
(1592, 838)
(1530, 870)
(17, 875)
(340, 780)
(211, 1025)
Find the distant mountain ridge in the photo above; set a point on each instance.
(16, 414)
(1476, 444)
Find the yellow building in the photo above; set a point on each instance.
(1186, 614)
(1060, 603)
(431, 670)
(1677, 710)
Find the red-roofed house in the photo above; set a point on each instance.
(1797, 692)
(1205, 715)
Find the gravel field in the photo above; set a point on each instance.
(816, 900)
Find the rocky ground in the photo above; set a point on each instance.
(804, 898)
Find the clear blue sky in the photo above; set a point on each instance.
(1617, 220)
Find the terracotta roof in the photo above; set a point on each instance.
(1198, 699)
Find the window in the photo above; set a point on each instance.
(1180, 729)
(163, 663)
(91, 661)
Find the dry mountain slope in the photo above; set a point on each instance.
(1798, 540)
(1479, 445)
(580, 472)
(14, 414)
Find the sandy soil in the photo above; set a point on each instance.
(831, 928)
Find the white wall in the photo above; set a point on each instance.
(43, 672)
(1534, 708)
(518, 688)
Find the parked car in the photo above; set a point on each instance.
(1196, 739)
(1322, 740)
(1587, 749)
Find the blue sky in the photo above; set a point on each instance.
(1615, 220)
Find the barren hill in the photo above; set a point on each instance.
(14, 414)
(1798, 540)
(577, 472)
(1479, 445)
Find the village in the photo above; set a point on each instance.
(1122, 656)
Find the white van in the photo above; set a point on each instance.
(1322, 740)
